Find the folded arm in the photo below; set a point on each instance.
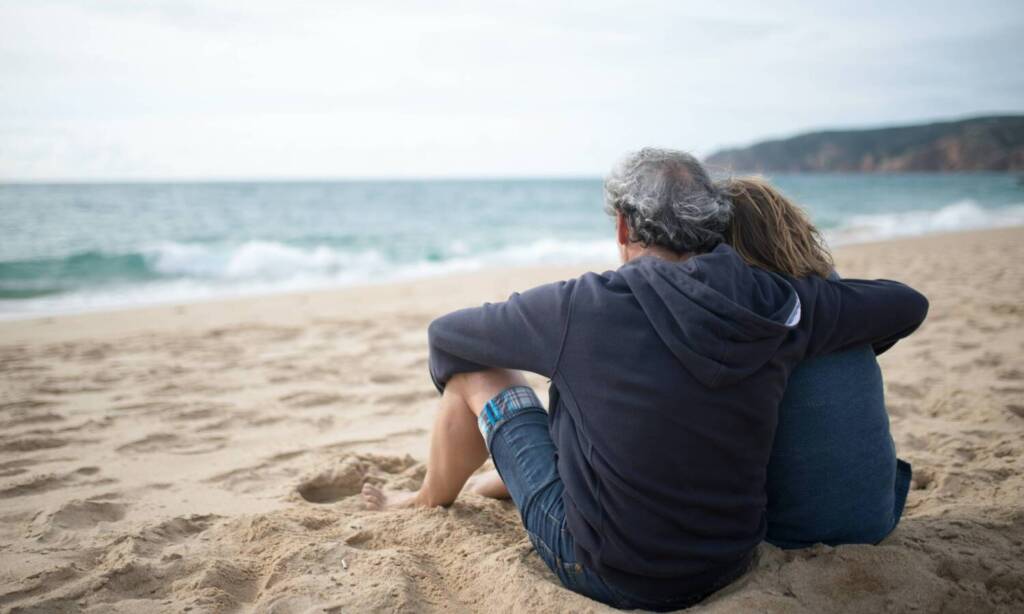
(523, 333)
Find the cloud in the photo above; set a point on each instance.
(194, 89)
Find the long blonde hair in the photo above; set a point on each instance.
(770, 232)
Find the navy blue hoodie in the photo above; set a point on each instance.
(666, 379)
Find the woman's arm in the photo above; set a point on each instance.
(854, 312)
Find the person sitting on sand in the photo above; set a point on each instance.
(833, 477)
(645, 485)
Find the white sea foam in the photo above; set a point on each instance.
(962, 215)
(272, 261)
(255, 260)
(202, 272)
(193, 272)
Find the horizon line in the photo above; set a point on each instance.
(298, 179)
(523, 176)
(439, 178)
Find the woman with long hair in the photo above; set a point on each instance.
(833, 476)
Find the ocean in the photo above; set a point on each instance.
(80, 247)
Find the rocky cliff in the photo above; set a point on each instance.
(978, 144)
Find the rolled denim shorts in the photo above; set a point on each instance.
(515, 427)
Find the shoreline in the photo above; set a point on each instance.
(210, 455)
(384, 289)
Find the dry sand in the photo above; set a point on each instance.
(207, 457)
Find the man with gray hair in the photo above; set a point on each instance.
(668, 200)
(644, 487)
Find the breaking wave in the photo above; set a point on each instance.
(962, 215)
(172, 271)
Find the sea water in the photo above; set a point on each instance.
(75, 247)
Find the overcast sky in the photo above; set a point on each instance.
(129, 89)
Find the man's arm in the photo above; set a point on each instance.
(853, 312)
(523, 333)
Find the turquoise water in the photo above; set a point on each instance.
(78, 247)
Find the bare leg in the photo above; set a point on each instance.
(456, 447)
(488, 484)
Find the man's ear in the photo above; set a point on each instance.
(621, 229)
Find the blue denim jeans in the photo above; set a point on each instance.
(515, 427)
(833, 476)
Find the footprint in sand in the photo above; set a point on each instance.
(29, 411)
(31, 444)
(966, 345)
(27, 405)
(21, 420)
(144, 565)
(915, 442)
(261, 476)
(385, 378)
(335, 483)
(909, 391)
(172, 444)
(899, 410)
(924, 479)
(240, 582)
(199, 411)
(255, 334)
(1007, 309)
(148, 407)
(304, 399)
(173, 531)
(16, 467)
(1011, 375)
(150, 443)
(989, 359)
(51, 481)
(408, 397)
(61, 388)
(346, 478)
(80, 515)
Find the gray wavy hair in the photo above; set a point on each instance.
(668, 200)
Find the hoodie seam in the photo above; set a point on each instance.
(567, 392)
(726, 354)
(565, 329)
(556, 371)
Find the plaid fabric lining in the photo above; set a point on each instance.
(506, 404)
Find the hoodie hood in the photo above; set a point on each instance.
(720, 317)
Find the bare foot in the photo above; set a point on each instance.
(380, 499)
(488, 484)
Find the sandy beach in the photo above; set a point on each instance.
(208, 457)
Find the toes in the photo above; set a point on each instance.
(373, 497)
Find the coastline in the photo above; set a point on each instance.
(41, 275)
(208, 454)
(291, 306)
